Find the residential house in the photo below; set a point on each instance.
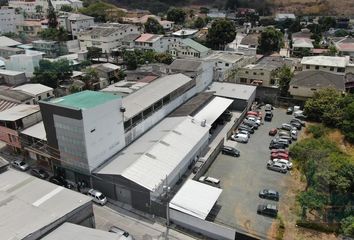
(6, 52)
(185, 33)
(216, 13)
(37, 91)
(167, 25)
(108, 71)
(248, 44)
(51, 49)
(302, 41)
(106, 36)
(201, 71)
(8, 42)
(12, 78)
(227, 64)
(57, 4)
(262, 73)
(30, 28)
(345, 46)
(305, 83)
(75, 22)
(187, 48)
(29, 7)
(325, 63)
(14, 120)
(9, 19)
(128, 42)
(280, 17)
(151, 42)
(24, 62)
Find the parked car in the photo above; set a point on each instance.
(297, 125)
(230, 151)
(268, 107)
(20, 165)
(273, 132)
(247, 128)
(242, 138)
(300, 115)
(278, 167)
(279, 155)
(287, 127)
(303, 123)
(288, 138)
(277, 145)
(254, 119)
(250, 123)
(280, 151)
(284, 133)
(293, 134)
(40, 173)
(280, 140)
(243, 132)
(268, 116)
(268, 210)
(269, 194)
(210, 180)
(253, 113)
(290, 110)
(286, 162)
(197, 165)
(59, 180)
(124, 235)
(97, 196)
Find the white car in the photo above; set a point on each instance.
(210, 180)
(287, 163)
(124, 235)
(242, 138)
(97, 197)
(243, 132)
(20, 164)
(254, 119)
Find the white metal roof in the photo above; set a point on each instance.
(8, 42)
(302, 43)
(326, 61)
(33, 88)
(69, 231)
(195, 198)
(36, 131)
(185, 32)
(29, 204)
(18, 112)
(10, 72)
(213, 109)
(156, 154)
(232, 90)
(153, 92)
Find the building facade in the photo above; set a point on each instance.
(24, 62)
(9, 19)
(75, 23)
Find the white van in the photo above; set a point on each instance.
(97, 197)
(210, 180)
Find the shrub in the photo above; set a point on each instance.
(317, 226)
(317, 130)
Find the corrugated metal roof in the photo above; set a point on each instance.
(18, 112)
(213, 110)
(195, 198)
(195, 45)
(6, 105)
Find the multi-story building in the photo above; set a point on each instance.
(330, 64)
(151, 42)
(57, 4)
(226, 64)
(51, 49)
(9, 19)
(24, 62)
(16, 119)
(6, 52)
(106, 36)
(75, 23)
(187, 48)
(83, 129)
(30, 27)
(29, 7)
(37, 91)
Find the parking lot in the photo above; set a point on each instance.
(242, 178)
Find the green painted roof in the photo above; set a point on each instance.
(84, 99)
(195, 45)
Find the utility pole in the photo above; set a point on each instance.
(166, 191)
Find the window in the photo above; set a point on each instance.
(226, 64)
(147, 112)
(313, 89)
(295, 87)
(331, 69)
(158, 105)
(246, 72)
(254, 73)
(39, 98)
(340, 69)
(262, 73)
(243, 80)
(48, 95)
(307, 66)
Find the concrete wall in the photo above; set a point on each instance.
(321, 68)
(10, 137)
(206, 228)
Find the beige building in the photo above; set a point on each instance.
(330, 64)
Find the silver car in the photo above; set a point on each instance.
(276, 166)
(97, 197)
(20, 165)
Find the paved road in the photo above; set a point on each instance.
(242, 178)
(140, 229)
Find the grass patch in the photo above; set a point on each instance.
(280, 229)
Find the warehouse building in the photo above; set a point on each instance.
(32, 207)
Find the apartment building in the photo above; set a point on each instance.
(9, 19)
(75, 22)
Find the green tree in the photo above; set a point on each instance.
(326, 23)
(232, 4)
(130, 60)
(176, 15)
(66, 8)
(312, 200)
(74, 89)
(347, 226)
(271, 40)
(332, 50)
(54, 34)
(50, 73)
(325, 106)
(222, 32)
(165, 58)
(98, 10)
(52, 18)
(341, 33)
(284, 75)
(348, 122)
(90, 78)
(153, 26)
(93, 52)
(199, 23)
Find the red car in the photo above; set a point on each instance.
(280, 151)
(273, 132)
(279, 155)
